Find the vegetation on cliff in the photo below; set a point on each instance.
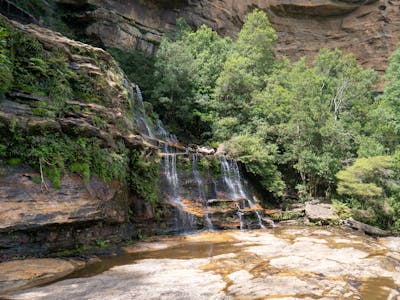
(43, 86)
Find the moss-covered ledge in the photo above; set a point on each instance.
(72, 164)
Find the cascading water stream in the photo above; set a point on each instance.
(183, 221)
(201, 191)
(233, 181)
(174, 188)
(140, 99)
(139, 113)
(231, 177)
(169, 162)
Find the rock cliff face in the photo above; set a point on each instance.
(36, 216)
(369, 28)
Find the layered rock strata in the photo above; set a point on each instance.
(36, 216)
(369, 29)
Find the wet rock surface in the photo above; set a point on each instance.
(30, 272)
(284, 263)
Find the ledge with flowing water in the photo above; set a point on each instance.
(206, 189)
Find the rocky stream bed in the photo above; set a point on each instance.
(278, 263)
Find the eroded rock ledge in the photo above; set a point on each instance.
(37, 217)
(369, 29)
(321, 8)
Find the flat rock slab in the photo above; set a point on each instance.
(19, 274)
(148, 279)
(283, 263)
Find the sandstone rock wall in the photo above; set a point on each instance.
(36, 216)
(369, 29)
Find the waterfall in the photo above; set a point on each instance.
(183, 221)
(231, 177)
(139, 115)
(201, 190)
(192, 193)
(169, 162)
(140, 99)
(235, 189)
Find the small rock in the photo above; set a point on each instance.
(205, 150)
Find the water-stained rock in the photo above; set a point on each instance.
(24, 204)
(36, 218)
(19, 274)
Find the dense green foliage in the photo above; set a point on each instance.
(315, 115)
(186, 68)
(371, 187)
(293, 126)
(57, 153)
(6, 76)
(138, 67)
(385, 118)
(144, 175)
(244, 72)
(27, 67)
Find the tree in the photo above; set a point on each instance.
(384, 125)
(315, 115)
(187, 65)
(246, 66)
(371, 187)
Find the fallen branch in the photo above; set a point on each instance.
(43, 185)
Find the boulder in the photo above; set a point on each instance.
(205, 150)
(319, 212)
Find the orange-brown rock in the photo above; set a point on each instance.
(369, 29)
(26, 204)
(26, 273)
